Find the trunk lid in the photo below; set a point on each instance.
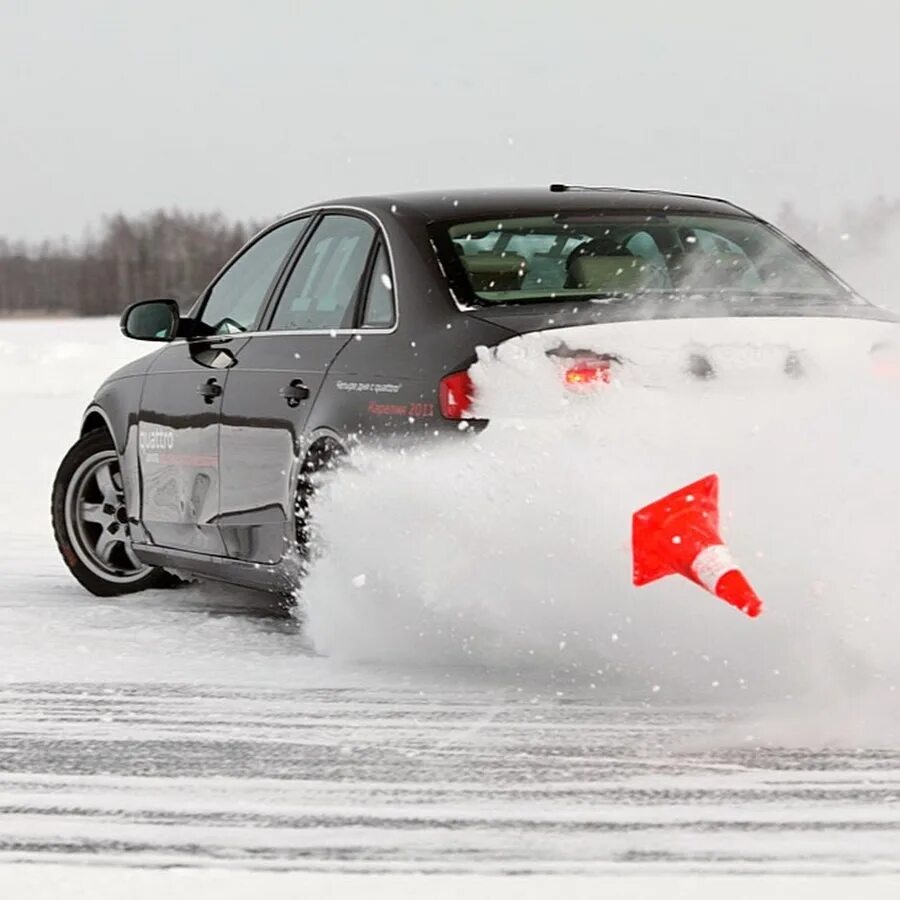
(735, 354)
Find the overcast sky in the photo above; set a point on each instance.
(255, 108)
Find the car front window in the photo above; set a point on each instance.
(235, 300)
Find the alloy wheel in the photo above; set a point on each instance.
(97, 520)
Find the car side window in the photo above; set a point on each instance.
(236, 298)
(379, 309)
(321, 292)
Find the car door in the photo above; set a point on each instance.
(178, 439)
(280, 371)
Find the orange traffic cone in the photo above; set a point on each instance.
(679, 534)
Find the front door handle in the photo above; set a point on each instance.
(209, 390)
(295, 392)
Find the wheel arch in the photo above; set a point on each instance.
(324, 444)
(95, 419)
(98, 418)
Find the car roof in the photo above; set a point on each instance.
(490, 202)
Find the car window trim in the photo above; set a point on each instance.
(314, 212)
(365, 282)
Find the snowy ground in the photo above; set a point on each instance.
(196, 741)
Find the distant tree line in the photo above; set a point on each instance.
(157, 254)
(175, 254)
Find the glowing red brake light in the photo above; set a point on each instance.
(588, 372)
(456, 394)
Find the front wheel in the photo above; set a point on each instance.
(91, 525)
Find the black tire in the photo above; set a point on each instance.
(90, 526)
(325, 455)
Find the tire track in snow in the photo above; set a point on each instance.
(395, 779)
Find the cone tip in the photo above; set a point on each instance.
(754, 608)
(734, 588)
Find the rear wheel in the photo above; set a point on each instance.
(325, 455)
(91, 524)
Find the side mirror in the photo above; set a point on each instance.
(151, 320)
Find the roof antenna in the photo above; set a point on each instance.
(562, 188)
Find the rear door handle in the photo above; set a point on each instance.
(295, 392)
(209, 390)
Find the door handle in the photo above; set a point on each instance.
(295, 392)
(209, 390)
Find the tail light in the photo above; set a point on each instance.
(583, 369)
(456, 393)
(579, 371)
(587, 371)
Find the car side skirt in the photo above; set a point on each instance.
(217, 568)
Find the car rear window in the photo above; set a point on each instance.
(604, 254)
